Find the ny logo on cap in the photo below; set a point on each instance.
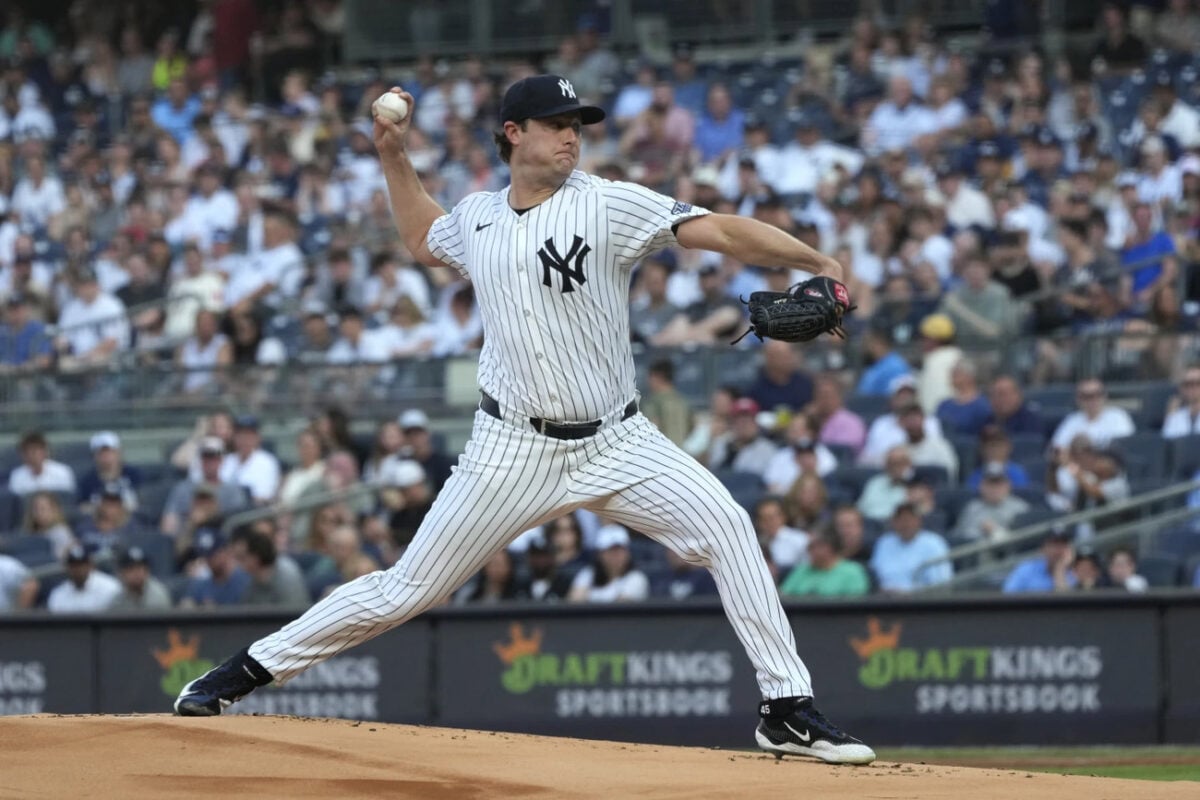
(567, 89)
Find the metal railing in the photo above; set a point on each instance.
(1020, 538)
(304, 503)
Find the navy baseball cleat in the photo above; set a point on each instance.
(221, 686)
(793, 726)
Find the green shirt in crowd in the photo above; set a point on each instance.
(843, 579)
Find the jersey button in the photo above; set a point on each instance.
(540, 356)
(520, 268)
(528, 313)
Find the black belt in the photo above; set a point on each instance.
(556, 430)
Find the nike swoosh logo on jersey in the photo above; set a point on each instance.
(804, 737)
(480, 226)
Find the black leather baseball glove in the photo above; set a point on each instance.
(801, 314)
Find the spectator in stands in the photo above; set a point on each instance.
(24, 344)
(939, 355)
(338, 287)
(406, 498)
(651, 310)
(664, 405)
(714, 317)
(883, 492)
(886, 365)
(388, 442)
(1050, 571)
(851, 530)
(996, 451)
(826, 574)
(38, 196)
(711, 423)
(38, 472)
(407, 333)
(990, 516)
(901, 555)
(110, 468)
(226, 584)
(743, 448)
(1010, 411)
(344, 560)
(1183, 416)
(966, 412)
(807, 502)
(275, 578)
(316, 334)
(1122, 570)
(1088, 572)
(205, 354)
(837, 424)
(420, 447)
(1087, 478)
(333, 426)
(93, 324)
(227, 496)
(981, 309)
(786, 545)
(86, 590)
(566, 540)
(309, 468)
(682, 580)
(1154, 284)
(44, 517)
(497, 582)
(1118, 49)
(781, 383)
(897, 122)
(800, 454)
(111, 525)
(924, 448)
(18, 587)
(458, 328)
(720, 128)
(140, 591)
(612, 576)
(250, 466)
(545, 580)
(1096, 419)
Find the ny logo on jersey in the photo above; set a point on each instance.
(561, 264)
(567, 89)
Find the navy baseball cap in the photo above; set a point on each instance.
(545, 96)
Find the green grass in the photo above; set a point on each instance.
(1136, 763)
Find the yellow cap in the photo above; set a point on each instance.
(938, 326)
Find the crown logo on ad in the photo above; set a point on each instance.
(876, 639)
(519, 645)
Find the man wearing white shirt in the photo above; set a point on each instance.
(806, 160)
(1185, 420)
(357, 345)
(93, 326)
(802, 453)
(965, 205)
(38, 196)
(787, 545)
(213, 207)
(86, 590)
(38, 472)
(390, 281)
(1160, 181)
(18, 587)
(896, 122)
(249, 466)
(1095, 419)
(1180, 120)
(885, 432)
(757, 152)
(198, 289)
(275, 272)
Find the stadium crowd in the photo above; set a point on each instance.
(157, 212)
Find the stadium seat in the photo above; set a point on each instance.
(1183, 456)
(1160, 569)
(867, 406)
(1182, 542)
(853, 479)
(10, 511)
(746, 487)
(936, 521)
(952, 500)
(1143, 452)
(1033, 516)
(306, 560)
(32, 551)
(152, 499)
(934, 475)
(1025, 446)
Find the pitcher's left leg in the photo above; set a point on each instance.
(670, 497)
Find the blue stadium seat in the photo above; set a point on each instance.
(152, 499)
(1144, 453)
(306, 560)
(1191, 572)
(935, 476)
(10, 511)
(32, 551)
(867, 406)
(1027, 445)
(1160, 569)
(852, 478)
(746, 487)
(1034, 516)
(1181, 542)
(1183, 456)
(952, 500)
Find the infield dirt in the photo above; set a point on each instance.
(154, 756)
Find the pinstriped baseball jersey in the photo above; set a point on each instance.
(553, 289)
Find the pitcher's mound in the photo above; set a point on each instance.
(234, 756)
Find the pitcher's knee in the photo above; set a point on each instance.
(403, 597)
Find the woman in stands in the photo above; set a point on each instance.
(44, 517)
(612, 576)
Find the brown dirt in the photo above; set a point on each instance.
(165, 757)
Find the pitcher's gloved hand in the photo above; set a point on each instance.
(801, 314)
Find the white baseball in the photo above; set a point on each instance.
(391, 106)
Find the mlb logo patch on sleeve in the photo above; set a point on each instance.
(681, 208)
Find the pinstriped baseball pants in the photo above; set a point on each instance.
(511, 479)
